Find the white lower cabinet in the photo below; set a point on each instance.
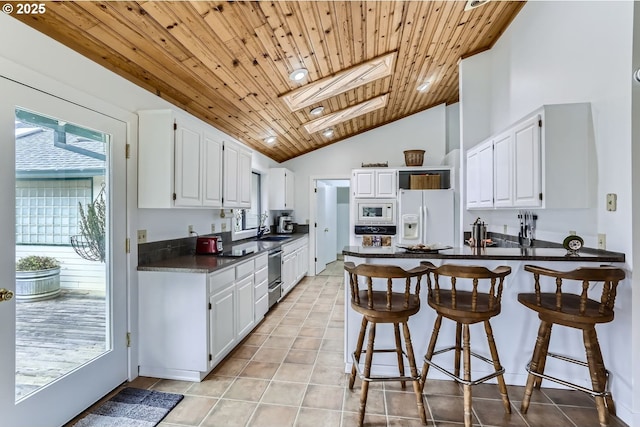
(222, 322)
(190, 321)
(245, 306)
(261, 288)
(295, 263)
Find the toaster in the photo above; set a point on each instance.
(208, 245)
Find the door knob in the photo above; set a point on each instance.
(5, 294)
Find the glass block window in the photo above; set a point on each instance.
(47, 210)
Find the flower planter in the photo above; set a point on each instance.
(38, 285)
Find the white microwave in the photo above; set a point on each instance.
(377, 212)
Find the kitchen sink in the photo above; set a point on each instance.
(274, 238)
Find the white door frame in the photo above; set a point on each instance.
(313, 215)
(54, 87)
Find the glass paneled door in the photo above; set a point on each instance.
(62, 258)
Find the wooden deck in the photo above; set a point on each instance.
(54, 337)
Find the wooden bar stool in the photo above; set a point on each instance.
(385, 306)
(574, 311)
(466, 307)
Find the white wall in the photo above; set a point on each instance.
(635, 230)
(563, 52)
(560, 52)
(426, 130)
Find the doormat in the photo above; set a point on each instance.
(132, 407)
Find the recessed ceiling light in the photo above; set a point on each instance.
(328, 132)
(270, 139)
(317, 111)
(299, 74)
(423, 87)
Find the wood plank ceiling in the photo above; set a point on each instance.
(228, 63)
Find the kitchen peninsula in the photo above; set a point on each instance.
(515, 328)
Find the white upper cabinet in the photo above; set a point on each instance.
(237, 176)
(480, 176)
(368, 183)
(546, 160)
(179, 162)
(502, 170)
(212, 173)
(281, 189)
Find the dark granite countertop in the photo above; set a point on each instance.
(192, 263)
(490, 253)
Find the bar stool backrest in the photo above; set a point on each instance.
(580, 281)
(486, 286)
(368, 272)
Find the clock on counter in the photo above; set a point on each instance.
(573, 244)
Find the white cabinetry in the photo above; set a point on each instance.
(545, 160)
(502, 171)
(237, 176)
(281, 189)
(295, 263)
(480, 176)
(370, 183)
(222, 319)
(190, 321)
(179, 161)
(261, 287)
(245, 303)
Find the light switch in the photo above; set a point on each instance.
(612, 201)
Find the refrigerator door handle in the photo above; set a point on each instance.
(423, 224)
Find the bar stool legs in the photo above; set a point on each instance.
(463, 348)
(366, 373)
(595, 363)
(502, 385)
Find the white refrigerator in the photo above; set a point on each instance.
(427, 217)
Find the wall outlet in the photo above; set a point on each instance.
(223, 227)
(602, 241)
(572, 233)
(190, 230)
(612, 202)
(142, 236)
(504, 229)
(213, 228)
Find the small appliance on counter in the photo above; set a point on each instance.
(285, 224)
(478, 234)
(209, 245)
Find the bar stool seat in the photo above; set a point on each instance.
(466, 307)
(378, 303)
(578, 311)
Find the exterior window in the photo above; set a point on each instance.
(251, 217)
(47, 210)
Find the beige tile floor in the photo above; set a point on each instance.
(289, 372)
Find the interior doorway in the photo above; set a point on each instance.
(331, 220)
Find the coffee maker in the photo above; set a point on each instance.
(285, 224)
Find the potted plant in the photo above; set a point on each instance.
(37, 278)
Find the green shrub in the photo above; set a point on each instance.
(36, 262)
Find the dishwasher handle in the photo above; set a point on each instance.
(275, 254)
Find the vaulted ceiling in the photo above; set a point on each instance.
(228, 62)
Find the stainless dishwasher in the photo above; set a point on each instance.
(274, 269)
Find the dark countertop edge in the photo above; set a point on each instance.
(594, 256)
(189, 264)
